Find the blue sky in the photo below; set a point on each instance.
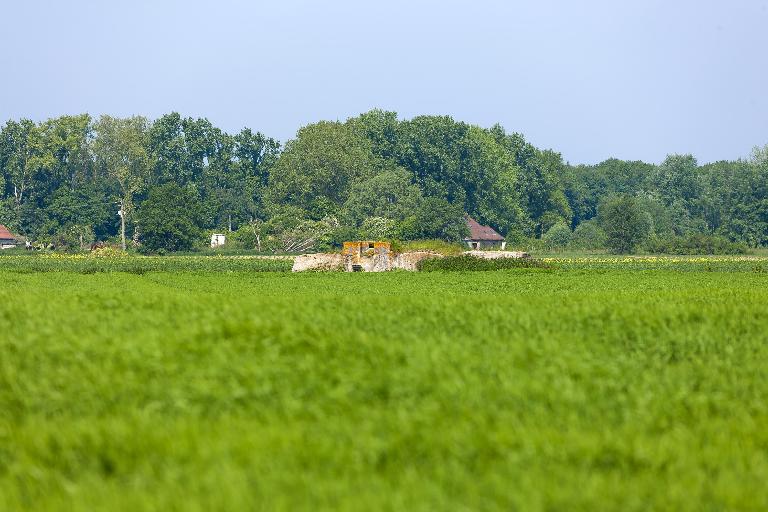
(593, 79)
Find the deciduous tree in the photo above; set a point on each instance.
(120, 148)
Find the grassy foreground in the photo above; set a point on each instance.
(560, 389)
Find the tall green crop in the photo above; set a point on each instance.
(572, 389)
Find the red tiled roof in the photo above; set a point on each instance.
(5, 234)
(482, 233)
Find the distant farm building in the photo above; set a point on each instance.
(217, 240)
(483, 237)
(7, 240)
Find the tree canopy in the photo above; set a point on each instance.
(373, 173)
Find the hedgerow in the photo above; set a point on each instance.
(120, 262)
(474, 264)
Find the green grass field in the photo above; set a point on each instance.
(585, 386)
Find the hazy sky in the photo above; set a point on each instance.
(593, 79)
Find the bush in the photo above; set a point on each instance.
(527, 245)
(341, 234)
(437, 246)
(695, 243)
(471, 263)
(588, 236)
(557, 237)
(248, 236)
(407, 229)
(290, 231)
(75, 237)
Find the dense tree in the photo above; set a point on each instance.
(586, 186)
(431, 148)
(437, 218)
(624, 222)
(676, 180)
(462, 164)
(120, 148)
(170, 219)
(389, 194)
(254, 157)
(541, 181)
(21, 149)
(382, 128)
(317, 169)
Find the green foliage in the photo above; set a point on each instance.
(558, 237)
(587, 185)
(422, 173)
(526, 244)
(676, 179)
(694, 243)
(588, 236)
(520, 390)
(317, 169)
(625, 224)
(8, 214)
(378, 228)
(114, 260)
(120, 149)
(74, 238)
(431, 245)
(390, 195)
(437, 218)
(168, 219)
(247, 236)
(685, 263)
(464, 263)
(288, 232)
(540, 178)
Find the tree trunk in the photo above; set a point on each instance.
(257, 235)
(122, 224)
(18, 196)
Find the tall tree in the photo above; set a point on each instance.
(170, 218)
(390, 195)
(318, 167)
(541, 180)
(120, 147)
(22, 147)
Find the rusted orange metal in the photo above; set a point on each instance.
(364, 248)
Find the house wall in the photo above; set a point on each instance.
(217, 240)
(485, 244)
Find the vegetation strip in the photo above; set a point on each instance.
(585, 389)
(180, 184)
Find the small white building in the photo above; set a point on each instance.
(217, 240)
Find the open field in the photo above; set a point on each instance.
(599, 383)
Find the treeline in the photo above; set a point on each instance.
(163, 184)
